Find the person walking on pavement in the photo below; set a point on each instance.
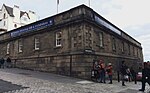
(2, 61)
(133, 73)
(109, 72)
(123, 72)
(8, 62)
(145, 75)
(129, 75)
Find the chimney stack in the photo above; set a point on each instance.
(16, 6)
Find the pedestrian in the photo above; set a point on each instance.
(8, 60)
(109, 72)
(2, 61)
(145, 75)
(123, 71)
(129, 75)
(95, 73)
(102, 71)
(99, 72)
(133, 73)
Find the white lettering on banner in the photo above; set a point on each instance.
(35, 26)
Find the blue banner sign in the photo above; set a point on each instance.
(32, 27)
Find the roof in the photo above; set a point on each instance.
(22, 13)
(10, 11)
(124, 35)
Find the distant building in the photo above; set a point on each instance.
(69, 42)
(12, 18)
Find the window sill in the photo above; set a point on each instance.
(36, 50)
(101, 47)
(20, 52)
(56, 47)
(114, 50)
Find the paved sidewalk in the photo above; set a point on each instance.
(26, 81)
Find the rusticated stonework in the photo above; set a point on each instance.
(84, 36)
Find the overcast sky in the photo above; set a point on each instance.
(132, 16)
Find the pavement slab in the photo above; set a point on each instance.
(8, 86)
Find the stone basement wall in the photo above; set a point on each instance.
(79, 66)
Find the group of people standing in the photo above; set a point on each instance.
(5, 63)
(102, 70)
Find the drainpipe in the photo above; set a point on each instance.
(70, 65)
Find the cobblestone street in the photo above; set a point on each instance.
(40, 82)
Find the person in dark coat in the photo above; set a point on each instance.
(8, 62)
(123, 71)
(133, 73)
(2, 61)
(145, 75)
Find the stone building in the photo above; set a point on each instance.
(67, 44)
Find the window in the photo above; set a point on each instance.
(8, 49)
(129, 49)
(80, 11)
(20, 46)
(101, 39)
(4, 23)
(25, 19)
(113, 44)
(36, 43)
(137, 52)
(133, 51)
(58, 39)
(4, 16)
(122, 49)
